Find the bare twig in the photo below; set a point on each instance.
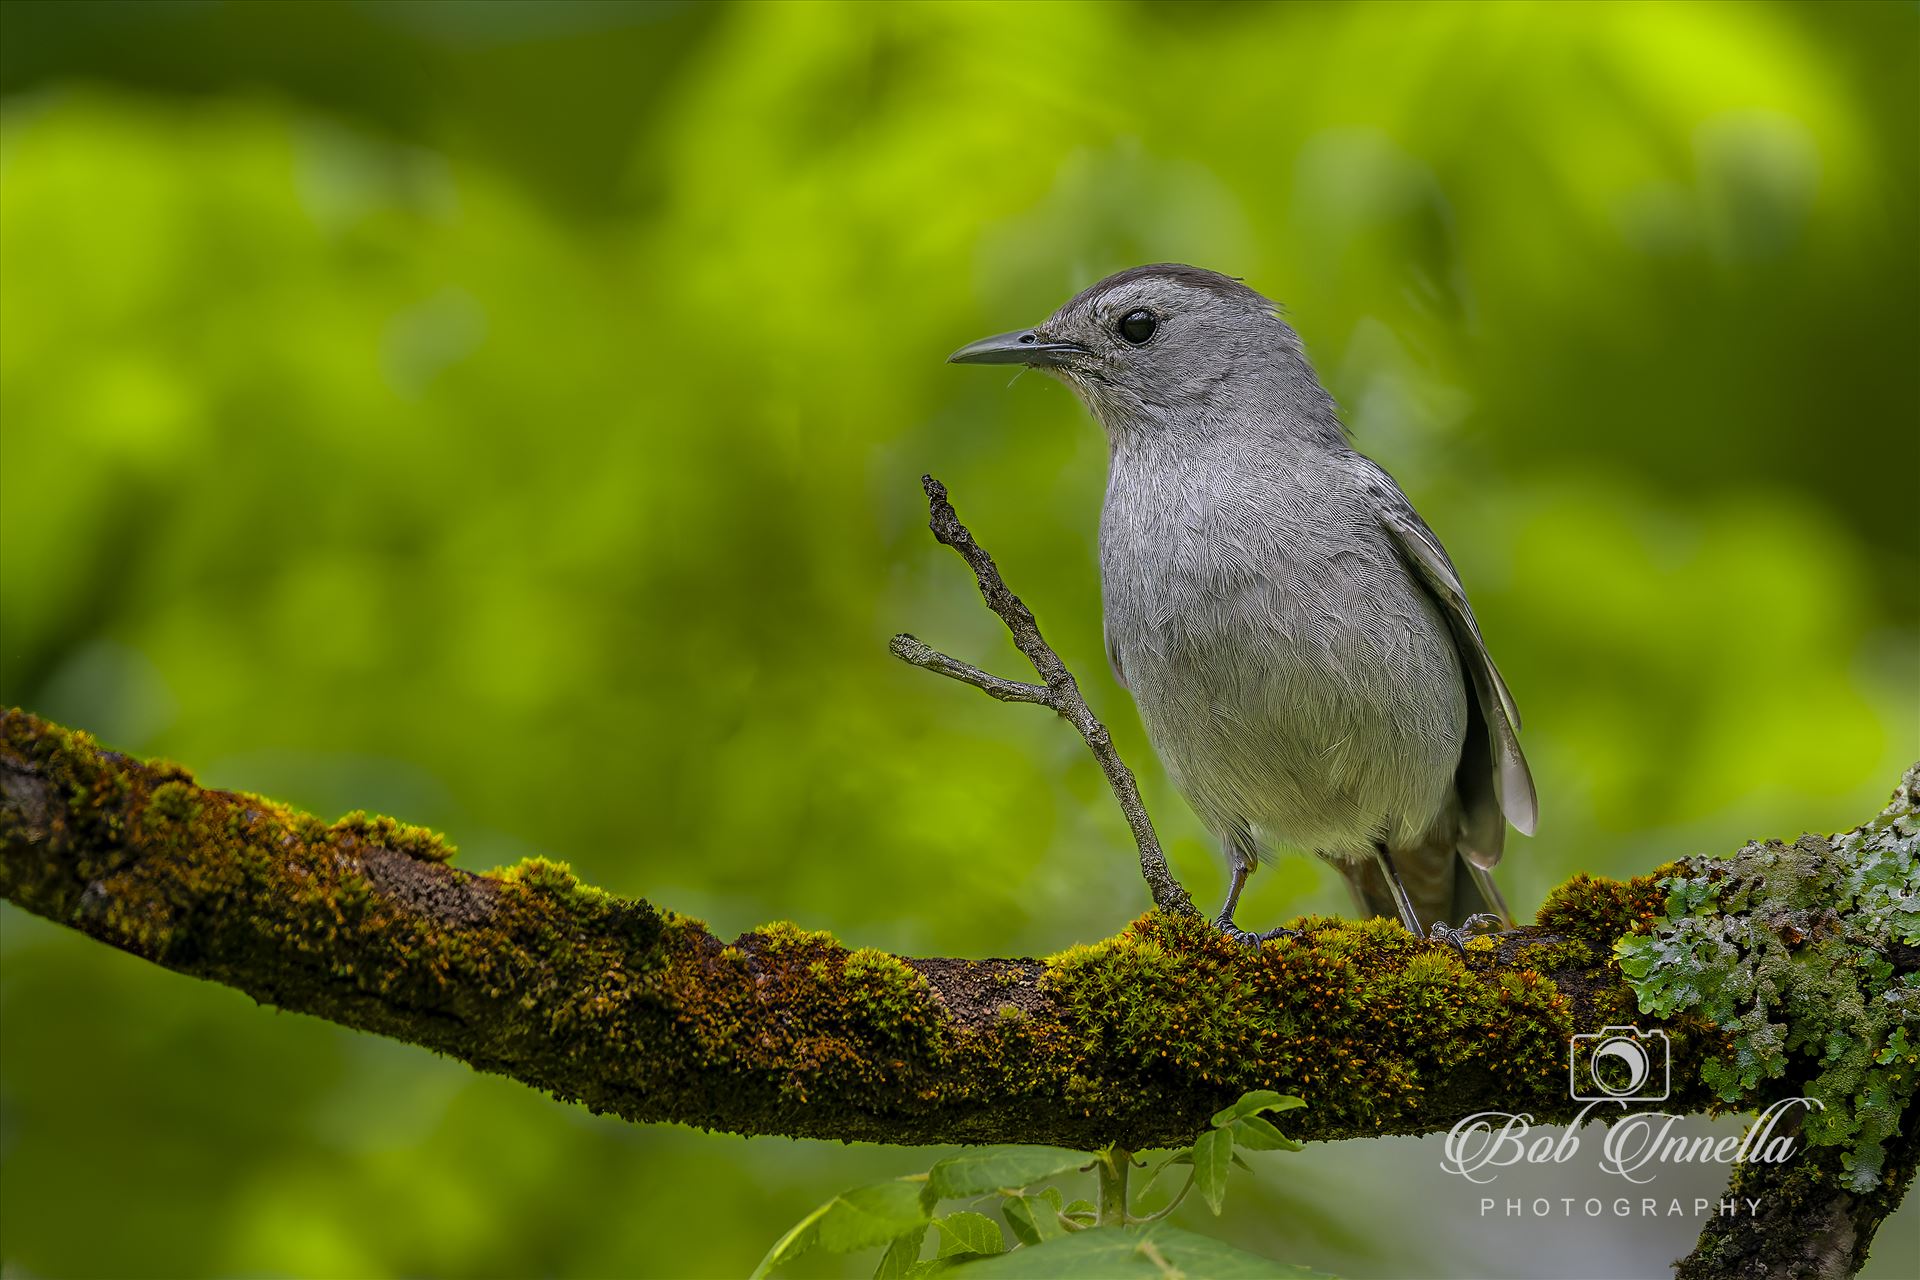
(923, 655)
(1059, 691)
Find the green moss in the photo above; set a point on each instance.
(676, 922)
(783, 935)
(1558, 953)
(1785, 948)
(556, 879)
(883, 991)
(1597, 911)
(401, 837)
(1372, 1024)
(597, 998)
(172, 802)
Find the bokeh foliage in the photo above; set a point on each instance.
(509, 417)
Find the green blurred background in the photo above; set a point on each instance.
(509, 417)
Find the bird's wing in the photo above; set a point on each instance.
(1496, 718)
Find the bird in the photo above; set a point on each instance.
(1298, 642)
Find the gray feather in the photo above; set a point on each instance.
(1512, 781)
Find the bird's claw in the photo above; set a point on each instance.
(1473, 926)
(1248, 938)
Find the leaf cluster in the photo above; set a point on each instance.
(1051, 1236)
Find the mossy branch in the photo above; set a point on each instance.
(644, 1014)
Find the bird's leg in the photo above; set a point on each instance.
(1401, 898)
(1477, 925)
(1233, 894)
(1480, 923)
(1441, 931)
(1240, 857)
(1490, 892)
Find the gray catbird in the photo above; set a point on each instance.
(1299, 644)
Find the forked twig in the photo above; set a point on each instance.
(1058, 690)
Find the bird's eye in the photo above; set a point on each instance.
(1138, 326)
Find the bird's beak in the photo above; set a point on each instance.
(1024, 346)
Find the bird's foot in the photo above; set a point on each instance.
(1474, 926)
(1247, 937)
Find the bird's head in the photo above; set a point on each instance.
(1167, 348)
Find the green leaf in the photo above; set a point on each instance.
(968, 1232)
(901, 1255)
(1256, 1133)
(1022, 1221)
(1078, 1207)
(1131, 1253)
(1253, 1103)
(800, 1237)
(869, 1216)
(984, 1169)
(1036, 1218)
(1212, 1159)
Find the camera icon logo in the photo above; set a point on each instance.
(1619, 1064)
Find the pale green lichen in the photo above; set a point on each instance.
(1786, 948)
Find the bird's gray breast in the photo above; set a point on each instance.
(1292, 676)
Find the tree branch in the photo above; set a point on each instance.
(1059, 691)
(1808, 1225)
(641, 1012)
(637, 1011)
